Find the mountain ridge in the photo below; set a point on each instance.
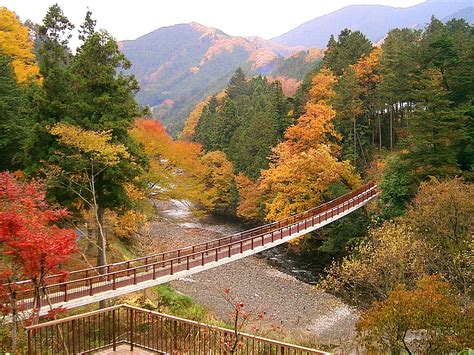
(374, 21)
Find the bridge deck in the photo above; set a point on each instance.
(123, 350)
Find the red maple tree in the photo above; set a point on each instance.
(31, 243)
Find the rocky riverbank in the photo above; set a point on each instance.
(291, 306)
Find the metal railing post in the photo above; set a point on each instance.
(65, 292)
(132, 328)
(74, 336)
(30, 343)
(114, 335)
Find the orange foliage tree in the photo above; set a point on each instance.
(306, 163)
(173, 165)
(367, 72)
(250, 199)
(15, 42)
(178, 169)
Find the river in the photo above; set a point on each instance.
(180, 212)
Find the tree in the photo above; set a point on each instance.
(175, 166)
(189, 130)
(433, 237)
(398, 62)
(52, 104)
(87, 155)
(435, 128)
(398, 183)
(347, 50)
(392, 255)
(12, 121)
(305, 164)
(250, 207)
(441, 215)
(15, 42)
(349, 108)
(91, 91)
(31, 243)
(219, 186)
(246, 124)
(316, 125)
(237, 85)
(430, 314)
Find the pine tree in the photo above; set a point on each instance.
(434, 128)
(12, 121)
(104, 101)
(237, 85)
(347, 50)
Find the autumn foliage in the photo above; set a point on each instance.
(306, 163)
(180, 170)
(32, 243)
(16, 43)
(426, 320)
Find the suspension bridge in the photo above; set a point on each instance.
(94, 284)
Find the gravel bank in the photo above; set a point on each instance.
(291, 305)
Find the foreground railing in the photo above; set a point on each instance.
(166, 264)
(123, 324)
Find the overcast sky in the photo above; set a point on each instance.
(129, 19)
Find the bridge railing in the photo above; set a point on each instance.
(91, 285)
(123, 324)
(176, 253)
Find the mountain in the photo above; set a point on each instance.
(179, 66)
(372, 20)
(467, 14)
(291, 71)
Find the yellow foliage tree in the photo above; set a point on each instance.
(430, 315)
(16, 43)
(218, 181)
(87, 156)
(299, 180)
(442, 215)
(392, 255)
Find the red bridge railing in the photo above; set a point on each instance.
(89, 282)
(140, 328)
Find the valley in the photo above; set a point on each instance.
(193, 191)
(292, 307)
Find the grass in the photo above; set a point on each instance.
(179, 305)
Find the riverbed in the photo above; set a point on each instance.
(266, 284)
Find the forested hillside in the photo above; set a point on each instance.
(179, 66)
